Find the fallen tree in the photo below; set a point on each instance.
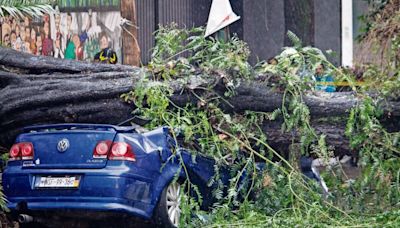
(39, 90)
(231, 109)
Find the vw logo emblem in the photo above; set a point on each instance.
(63, 145)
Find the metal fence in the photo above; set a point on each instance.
(263, 23)
(151, 13)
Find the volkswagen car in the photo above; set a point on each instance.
(91, 171)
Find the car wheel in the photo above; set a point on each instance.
(168, 211)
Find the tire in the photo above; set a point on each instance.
(168, 211)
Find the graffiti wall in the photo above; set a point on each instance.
(89, 35)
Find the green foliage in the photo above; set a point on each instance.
(367, 20)
(4, 158)
(296, 42)
(283, 197)
(20, 8)
(378, 187)
(296, 66)
(179, 50)
(378, 53)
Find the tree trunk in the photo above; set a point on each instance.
(68, 91)
(299, 18)
(129, 34)
(27, 63)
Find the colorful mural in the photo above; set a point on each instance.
(88, 36)
(87, 3)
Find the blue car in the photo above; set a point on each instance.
(87, 169)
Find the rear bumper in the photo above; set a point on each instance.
(105, 190)
(26, 205)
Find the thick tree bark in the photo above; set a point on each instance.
(69, 91)
(299, 18)
(129, 34)
(28, 63)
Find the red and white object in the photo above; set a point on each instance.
(221, 15)
(22, 150)
(101, 149)
(122, 151)
(119, 151)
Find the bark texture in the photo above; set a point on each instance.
(131, 55)
(299, 18)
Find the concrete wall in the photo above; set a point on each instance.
(327, 30)
(263, 27)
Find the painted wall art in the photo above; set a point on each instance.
(80, 30)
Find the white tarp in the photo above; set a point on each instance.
(221, 15)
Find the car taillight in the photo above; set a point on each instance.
(122, 151)
(101, 149)
(24, 150)
(15, 152)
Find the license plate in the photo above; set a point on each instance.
(57, 182)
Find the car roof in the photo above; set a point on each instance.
(76, 126)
